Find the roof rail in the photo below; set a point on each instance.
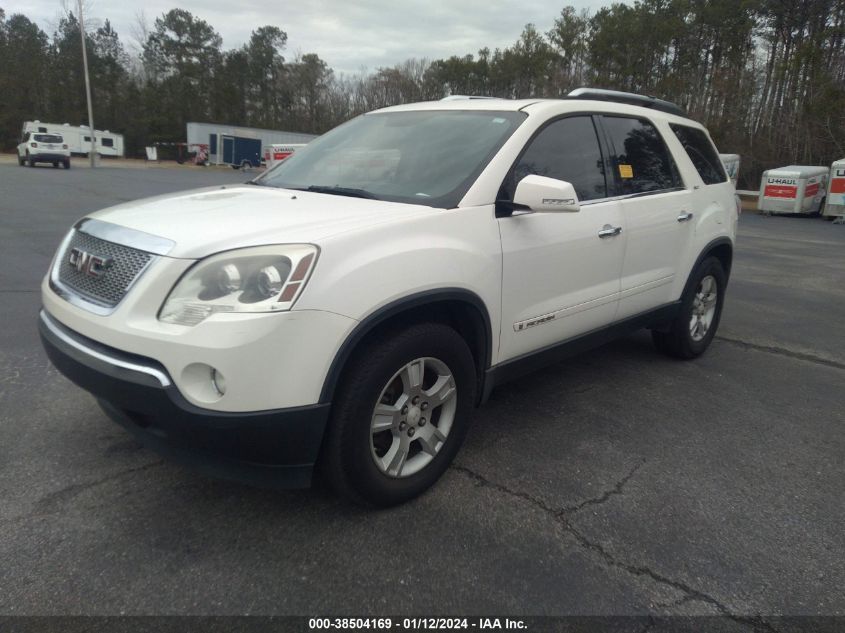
(460, 97)
(631, 98)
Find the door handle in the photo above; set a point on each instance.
(609, 231)
(685, 216)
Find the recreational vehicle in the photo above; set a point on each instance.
(78, 138)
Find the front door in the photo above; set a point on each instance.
(560, 277)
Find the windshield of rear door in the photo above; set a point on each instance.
(428, 157)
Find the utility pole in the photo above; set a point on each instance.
(92, 153)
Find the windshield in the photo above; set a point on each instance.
(48, 138)
(422, 157)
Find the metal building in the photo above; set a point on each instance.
(234, 145)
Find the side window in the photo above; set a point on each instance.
(42, 129)
(108, 142)
(641, 159)
(702, 153)
(568, 150)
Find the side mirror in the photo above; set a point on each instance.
(546, 195)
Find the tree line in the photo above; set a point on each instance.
(766, 76)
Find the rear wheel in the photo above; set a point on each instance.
(67, 163)
(29, 160)
(400, 416)
(20, 160)
(690, 334)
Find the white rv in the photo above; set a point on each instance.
(731, 163)
(793, 189)
(835, 206)
(78, 138)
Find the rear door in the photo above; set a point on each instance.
(560, 277)
(657, 211)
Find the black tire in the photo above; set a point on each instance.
(67, 164)
(347, 460)
(29, 160)
(678, 340)
(20, 160)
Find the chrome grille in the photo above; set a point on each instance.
(106, 290)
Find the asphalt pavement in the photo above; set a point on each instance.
(618, 483)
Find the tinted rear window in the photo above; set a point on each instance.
(641, 159)
(702, 153)
(48, 138)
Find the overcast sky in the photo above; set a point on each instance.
(350, 35)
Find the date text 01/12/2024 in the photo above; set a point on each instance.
(414, 624)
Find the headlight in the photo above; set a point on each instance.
(260, 279)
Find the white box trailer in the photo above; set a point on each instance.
(835, 204)
(793, 189)
(277, 152)
(731, 163)
(78, 138)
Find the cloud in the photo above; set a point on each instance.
(348, 35)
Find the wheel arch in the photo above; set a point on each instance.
(460, 308)
(722, 249)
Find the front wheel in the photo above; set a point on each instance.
(692, 330)
(400, 415)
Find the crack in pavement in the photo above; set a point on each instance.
(52, 501)
(561, 516)
(782, 351)
(594, 501)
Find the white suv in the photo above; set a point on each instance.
(43, 148)
(348, 308)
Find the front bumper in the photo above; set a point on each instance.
(276, 448)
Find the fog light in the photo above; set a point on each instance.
(218, 382)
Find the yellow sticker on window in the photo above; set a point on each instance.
(626, 171)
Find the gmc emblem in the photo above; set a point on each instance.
(91, 265)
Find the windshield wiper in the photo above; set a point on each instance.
(257, 184)
(342, 191)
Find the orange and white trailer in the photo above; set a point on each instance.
(278, 152)
(793, 189)
(835, 206)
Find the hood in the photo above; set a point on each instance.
(214, 219)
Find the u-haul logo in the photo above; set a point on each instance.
(781, 181)
(839, 172)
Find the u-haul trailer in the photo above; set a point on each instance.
(835, 206)
(277, 152)
(78, 137)
(793, 189)
(731, 163)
